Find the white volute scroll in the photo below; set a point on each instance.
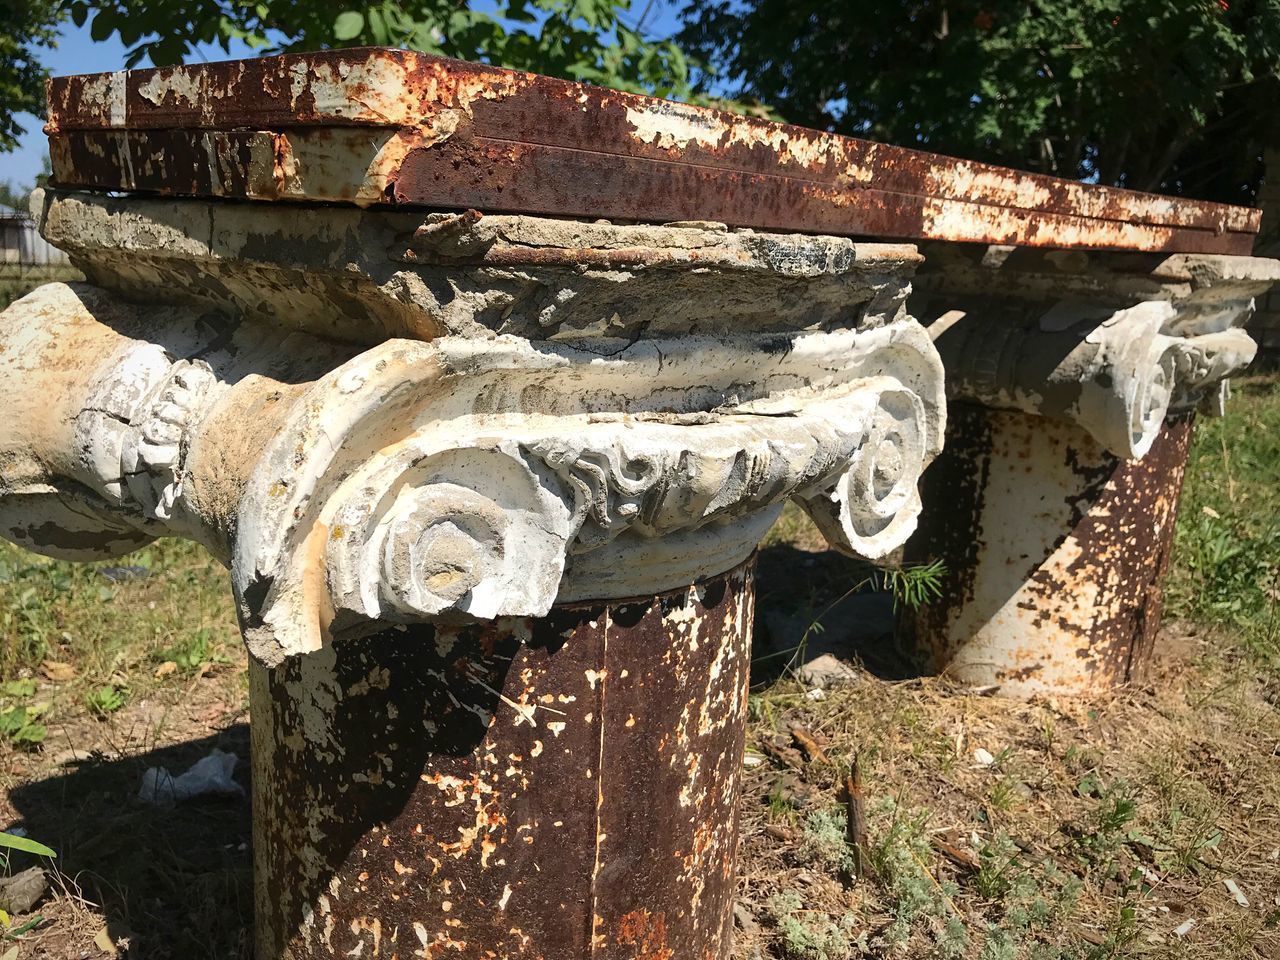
(1116, 373)
(1112, 345)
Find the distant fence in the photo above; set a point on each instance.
(22, 246)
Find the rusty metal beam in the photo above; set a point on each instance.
(395, 127)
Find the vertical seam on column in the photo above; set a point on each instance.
(600, 720)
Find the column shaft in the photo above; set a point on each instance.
(563, 787)
(1055, 551)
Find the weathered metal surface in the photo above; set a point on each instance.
(388, 126)
(1055, 550)
(497, 175)
(563, 788)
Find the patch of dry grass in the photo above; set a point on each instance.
(1055, 828)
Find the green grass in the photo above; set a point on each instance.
(1226, 561)
(17, 282)
(106, 626)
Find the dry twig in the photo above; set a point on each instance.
(809, 745)
(857, 819)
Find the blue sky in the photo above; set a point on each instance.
(78, 53)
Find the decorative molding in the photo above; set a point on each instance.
(1115, 373)
(458, 480)
(110, 398)
(153, 455)
(455, 479)
(1114, 343)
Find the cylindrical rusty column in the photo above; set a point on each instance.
(562, 788)
(1055, 552)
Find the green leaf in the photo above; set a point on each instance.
(33, 734)
(26, 845)
(22, 928)
(105, 699)
(18, 688)
(103, 26)
(378, 27)
(13, 720)
(348, 25)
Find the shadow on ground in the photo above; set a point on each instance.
(174, 882)
(811, 603)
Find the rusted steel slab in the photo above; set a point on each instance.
(389, 126)
(355, 166)
(563, 787)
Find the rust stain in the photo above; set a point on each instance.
(647, 933)
(499, 790)
(1054, 569)
(498, 140)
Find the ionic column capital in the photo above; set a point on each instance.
(462, 478)
(1118, 377)
(1113, 345)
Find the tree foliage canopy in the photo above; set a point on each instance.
(579, 39)
(1150, 94)
(26, 26)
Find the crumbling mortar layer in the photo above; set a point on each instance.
(366, 276)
